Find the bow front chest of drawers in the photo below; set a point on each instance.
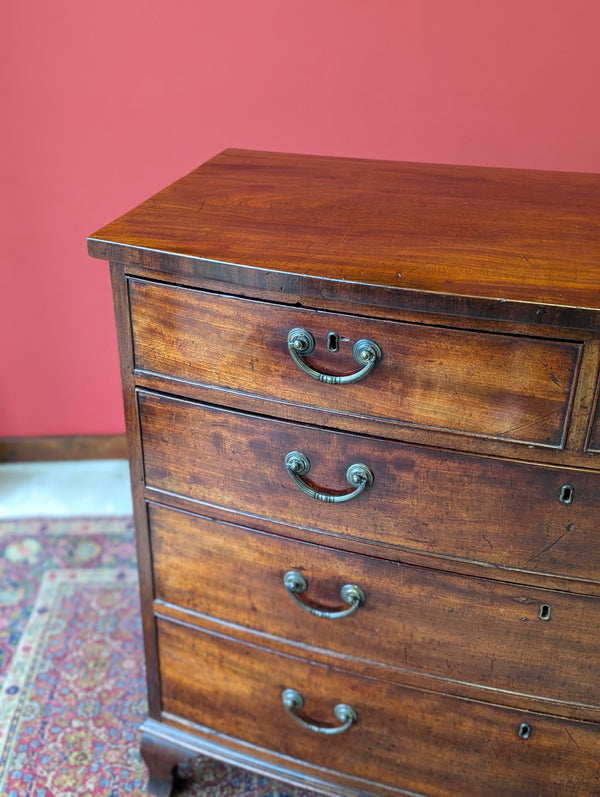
(364, 430)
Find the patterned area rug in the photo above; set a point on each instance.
(71, 668)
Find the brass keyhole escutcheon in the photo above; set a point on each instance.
(333, 341)
(566, 494)
(524, 730)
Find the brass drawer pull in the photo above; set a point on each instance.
(365, 353)
(293, 700)
(297, 464)
(353, 596)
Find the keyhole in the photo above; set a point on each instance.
(524, 730)
(545, 611)
(333, 341)
(565, 495)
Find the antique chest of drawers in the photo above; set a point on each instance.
(364, 429)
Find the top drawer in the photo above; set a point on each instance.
(484, 384)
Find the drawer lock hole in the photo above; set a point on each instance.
(566, 493)
(545, 612)
(333, 341)
(524, 730)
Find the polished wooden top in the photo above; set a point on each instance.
(487, 234)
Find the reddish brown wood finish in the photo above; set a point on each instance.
(594, 441)
(162, 758)
(463, 507)
(482, 288)
(496, 235)
(431, 743)
(411, 619)
(508, 387)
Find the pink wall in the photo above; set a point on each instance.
(104, 103)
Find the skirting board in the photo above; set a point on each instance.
(48, 449)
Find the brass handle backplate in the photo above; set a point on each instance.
(358, 476)
(365, 352)
(293, 702)
(353, 596)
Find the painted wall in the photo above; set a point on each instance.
(105, 103)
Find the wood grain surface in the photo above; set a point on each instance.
(486, 510)
(500, 234)
(430, 743)
(411, 619)
(486, 385)
(475, 544)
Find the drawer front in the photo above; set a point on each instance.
(452, 505)
(489, 385)
(424, 742)
(412, 617)
(594, 440)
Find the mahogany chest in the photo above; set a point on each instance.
(363, 422)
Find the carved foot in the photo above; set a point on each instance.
(159, 786)
(162, 757)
